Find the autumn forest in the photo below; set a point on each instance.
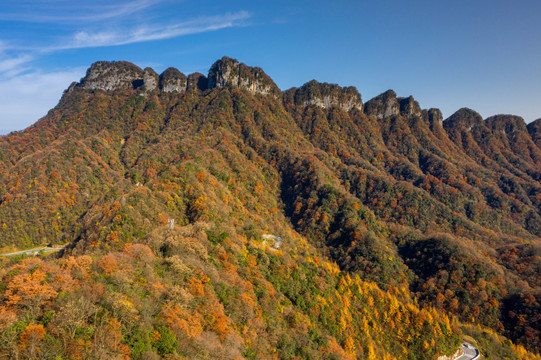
(401, 234)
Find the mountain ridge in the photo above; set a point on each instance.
(391, 192)
(116, 75)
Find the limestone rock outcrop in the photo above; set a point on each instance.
(150, 79)
(229, 72)
(325, 95)
(435, 116)
(112, 75)
(534, 129)
(506, 123)
(173, 80)
(409, 106)
(123, 75)
(197, 81)
(383, 105)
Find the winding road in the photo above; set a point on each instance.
(470, 352)
(34, 252)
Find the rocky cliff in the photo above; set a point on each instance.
(123, 75)
(534, 129)
(325, 95)
(229, 72)
(173, 80)
(114, 75)
(383, 105)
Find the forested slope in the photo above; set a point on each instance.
(387, 211)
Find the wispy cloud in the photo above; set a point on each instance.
(12, 66)
(142, 33)
(37, 11)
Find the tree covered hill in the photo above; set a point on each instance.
(386, 211)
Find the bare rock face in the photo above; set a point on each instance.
(72, 86)
(383, 105)
(325, 95)
(534, 129)
(224, 72)
(229, 72)
(506, 123)
(409, 106)
(173, 80)
(197, 81)
(123, 75)
(435, 119)
(150, 79)
(112, 75)
(435, 116)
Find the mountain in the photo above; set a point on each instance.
(394, 232)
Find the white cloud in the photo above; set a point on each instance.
(12, 66)
(104, 12)
(26, 98)
(70, 11)
(142, 33)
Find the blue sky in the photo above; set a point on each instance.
(485, 55)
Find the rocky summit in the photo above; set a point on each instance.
(218, 217)
(118, 75)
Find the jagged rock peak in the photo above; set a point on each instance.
(409, 106)
(326, 95)
(112, 75)
(506, 123)
(463, 119)
(172, 80)
(383, 105)
(197, 81)
(435, 116)
(123, 75)
(150, 79)
(534, 129)
(229, 72)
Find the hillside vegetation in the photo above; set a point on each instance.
(397, 225)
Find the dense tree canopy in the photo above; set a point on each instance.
(397, 227)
